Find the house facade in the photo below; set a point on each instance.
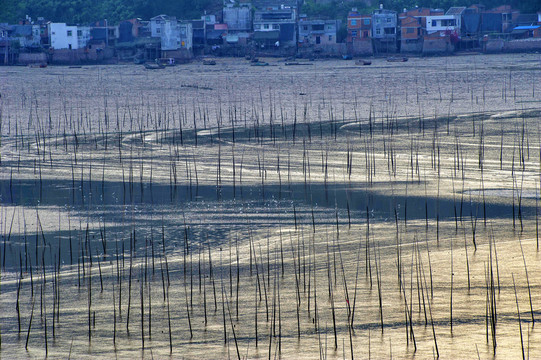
(275, 27)
(359, 37)
(318, 32)
(63, 36)
(238, 18)
(359, 26)
(413, 28)
(450, 23)
(411, 36)
(384, 30)
(28, 36)
(174, 35)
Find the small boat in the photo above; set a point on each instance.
(260, 63)
(346, 57)
(397, 59)
(153, 66)
(363, 62)
(209, 62)
(294, 63)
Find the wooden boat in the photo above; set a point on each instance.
(209, 62)
(151, 66)
(294, 63)
(363, 62)
(397, 59)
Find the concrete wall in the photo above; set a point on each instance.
(333, 50)
(32, 58)
(503, 46)
(81, 56)
(522, 45)
(180, 55)
(437, 46)
(411, 46)
(493, 45)
(385, 47)
(359, 48)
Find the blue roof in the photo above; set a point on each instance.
(531, 27)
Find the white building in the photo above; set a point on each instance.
(451, 21)
(174, 34)
(63, 36)
(443, 23)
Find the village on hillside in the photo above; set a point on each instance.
(271, 28)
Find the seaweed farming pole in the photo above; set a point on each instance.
(519, 321)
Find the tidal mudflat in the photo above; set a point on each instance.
(321, 211)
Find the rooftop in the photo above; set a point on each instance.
(455, 10)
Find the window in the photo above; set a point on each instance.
(79, 32)
(305, 27)
(378, 31)
(389, 31)
(266, 26)
(318, 40)
(389, 19)
(378, 20)
(367, 21)
(318, 27)
(70, 33)
(258, 27)
(276, 27)
(158, 30)
(353, 22)
(448, 22)
(353, 33)
(434, 23)
(330, 37)
(330, 27)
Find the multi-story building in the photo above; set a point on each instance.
(384, 30)
(359, 37)
(63, 36)
(275, 27)
(238, 17)
(317, 32)
(174, 35)
(412, 24)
